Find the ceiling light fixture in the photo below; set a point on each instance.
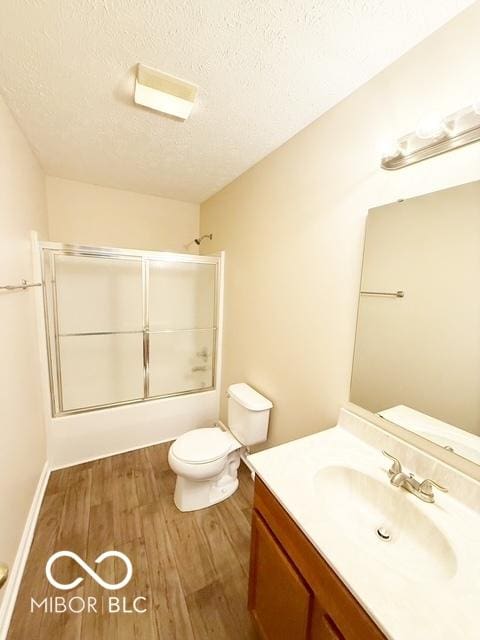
(435, 135)
(163, 92)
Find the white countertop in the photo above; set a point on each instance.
(410, 599)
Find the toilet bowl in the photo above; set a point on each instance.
(206, 460)
(206, 463)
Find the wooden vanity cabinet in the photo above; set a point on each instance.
(293, 593)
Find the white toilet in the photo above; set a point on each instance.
(206, 460)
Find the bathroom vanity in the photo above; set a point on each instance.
(343, 549)
(293, 593)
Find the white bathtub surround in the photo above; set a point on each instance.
(86, 436)
(423, 581)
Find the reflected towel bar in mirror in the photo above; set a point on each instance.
(387, 294)
(24, 285)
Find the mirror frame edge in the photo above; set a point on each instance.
(463, 465)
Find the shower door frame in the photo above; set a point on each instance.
(48, 250)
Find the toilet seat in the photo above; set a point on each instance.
(201, 446)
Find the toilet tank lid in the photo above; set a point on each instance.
(248, 397)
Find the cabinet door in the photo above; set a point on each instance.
(336, 614)
(278, 598)
(322, 626)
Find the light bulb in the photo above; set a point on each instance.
(431, 125)
(389, 149)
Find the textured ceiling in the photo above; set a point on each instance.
(265, 68)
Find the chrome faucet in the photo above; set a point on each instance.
(422, 490)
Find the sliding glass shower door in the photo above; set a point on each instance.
(127, 326)
(181, 312)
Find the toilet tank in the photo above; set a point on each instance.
(248, 414)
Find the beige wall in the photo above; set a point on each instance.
(293, 225)
(22, 450)
(80, 213)
(422, 350)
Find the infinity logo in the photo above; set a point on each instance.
(86, 568)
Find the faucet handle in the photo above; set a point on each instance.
(426, 487)
(396, 464)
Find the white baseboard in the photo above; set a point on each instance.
(16, 573)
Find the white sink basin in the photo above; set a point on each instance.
(363, 509)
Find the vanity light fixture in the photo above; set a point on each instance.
(430, 126)
(434, 135)
(163, 92)
(389, 148)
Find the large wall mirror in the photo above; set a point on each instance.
(417, 348)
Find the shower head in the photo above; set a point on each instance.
(207, 235)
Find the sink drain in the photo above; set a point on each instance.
(383, 533)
